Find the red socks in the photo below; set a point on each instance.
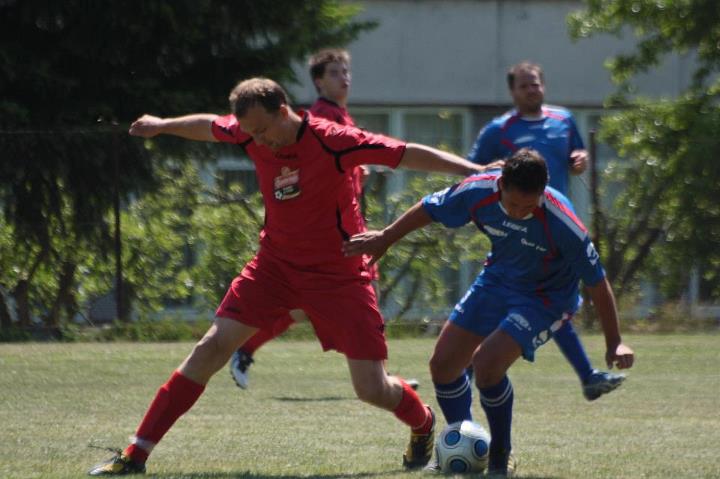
(413, 412)
(172, 400)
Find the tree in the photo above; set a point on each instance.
(74, 73)
(668, 215)
(420, 273)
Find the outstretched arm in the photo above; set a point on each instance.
(375, 243)
(425, 158)
(193, 127)
(604, 300)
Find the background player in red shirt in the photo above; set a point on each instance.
(303, 165)
(330, 73)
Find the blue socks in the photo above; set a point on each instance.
(497, 402)
(570, 345)
(455, 399)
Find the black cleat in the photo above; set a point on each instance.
(118, 465)
(420, 449)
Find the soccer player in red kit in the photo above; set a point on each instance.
(330, 73)
(303, 166)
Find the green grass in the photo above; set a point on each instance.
(300, 418)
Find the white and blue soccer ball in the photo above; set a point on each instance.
(463, 448)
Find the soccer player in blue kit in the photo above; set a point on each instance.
(527, 290)
(550, 130)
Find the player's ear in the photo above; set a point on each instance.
(316, 82)
(284, 111)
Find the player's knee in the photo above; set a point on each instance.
(211, 351)
(442, 370)
(486, 373)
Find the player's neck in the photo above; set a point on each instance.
(534, 114)
(295, 122)
(341, 102)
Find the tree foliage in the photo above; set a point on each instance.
(668, 213)
(74, 73)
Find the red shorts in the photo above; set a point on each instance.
(341, 306)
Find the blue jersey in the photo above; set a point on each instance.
(555, 136)
(542, 256)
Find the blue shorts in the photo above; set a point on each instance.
(487, 307)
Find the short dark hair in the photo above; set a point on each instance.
(257, 91)
(521, 67)
(525, 171)
(321, 59)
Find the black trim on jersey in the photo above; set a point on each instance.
(338, 154)
(301, 130)
(245, 144)
(338, 216)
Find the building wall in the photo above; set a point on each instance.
(456, 52)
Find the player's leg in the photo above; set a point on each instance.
(525, 327)
(346, 318)
(453, 352)
(475, 316)
(491, 361)
(258, 297)
(595, 383)
(373, 385)
(178, 394)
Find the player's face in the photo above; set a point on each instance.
(517, 204)
(335, 83)
(267, 128)
(528, 92)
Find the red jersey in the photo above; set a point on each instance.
(307, 187)
(330, 110)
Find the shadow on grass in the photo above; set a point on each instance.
(319, 399)
(357, 475)
(254, 475)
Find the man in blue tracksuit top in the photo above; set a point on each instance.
(526, 292)
(550, 130)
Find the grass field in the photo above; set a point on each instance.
(300, 419)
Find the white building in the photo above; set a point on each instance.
(434, 71)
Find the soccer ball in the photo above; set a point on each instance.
(463, 448)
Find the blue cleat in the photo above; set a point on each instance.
(601, 382)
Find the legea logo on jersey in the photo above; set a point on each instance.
(514, 226)
(287, 185)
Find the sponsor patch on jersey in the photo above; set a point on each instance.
(287, 185)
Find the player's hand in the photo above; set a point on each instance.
(146, 126)
(578, 161)
(495, 165)
(372, 243)
(622, 356)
